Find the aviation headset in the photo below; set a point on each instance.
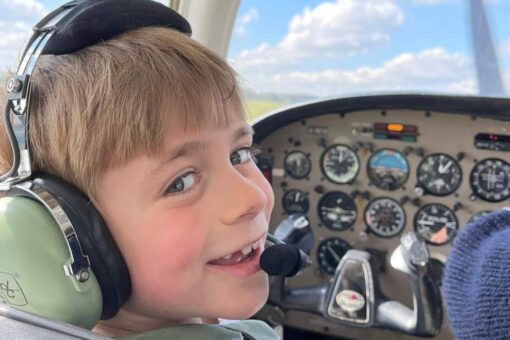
(57, 257)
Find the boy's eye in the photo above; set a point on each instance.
(182, 184)
(243, 155)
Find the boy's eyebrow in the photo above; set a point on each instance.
(243, 131)
(200, 145)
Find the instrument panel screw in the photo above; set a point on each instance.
(14, 85)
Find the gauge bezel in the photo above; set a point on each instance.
(443, 206)
(306, 157)
(287, 192)
(345, 244)
(369, 173)
(324, 172)
(471, 180)
(319, 211)
(423, 185)
(374, 231)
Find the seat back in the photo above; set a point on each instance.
(15, 324)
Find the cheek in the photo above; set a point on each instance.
(170, 244)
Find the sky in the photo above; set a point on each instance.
(327, 48)
(336, 47)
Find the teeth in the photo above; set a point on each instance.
(255, 245)
(246, 250)
(227, 257)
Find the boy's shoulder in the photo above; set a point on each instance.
(239, 330)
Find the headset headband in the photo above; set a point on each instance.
(71, 27)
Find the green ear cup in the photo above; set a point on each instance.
(32, 257)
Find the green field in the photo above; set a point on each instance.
(257, 108)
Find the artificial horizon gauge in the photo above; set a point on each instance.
(439, 174)
(337, 210)
(329, 253)
(295, 201)
(388, 169)
(436, 223)
(385, 217)
(490, 180)
(340, 164)
(297, 164)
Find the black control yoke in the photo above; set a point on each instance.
(353, 298)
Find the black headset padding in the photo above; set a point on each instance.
(96, 241)
(93, 21)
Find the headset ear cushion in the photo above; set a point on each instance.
(96, 241)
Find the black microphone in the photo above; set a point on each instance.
(282, 259)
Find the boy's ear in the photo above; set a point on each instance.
(31, 232)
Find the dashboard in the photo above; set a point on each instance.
(365, 170)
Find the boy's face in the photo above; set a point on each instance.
(176, 216)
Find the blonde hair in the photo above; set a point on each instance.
(99, 107)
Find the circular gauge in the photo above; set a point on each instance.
(490, 180)
(337, 210)
(478, 215)
(329, 253)
(436, 223)
(297, 164)
(295, 201)
(385, 217)
(388, 169)
(340, 164)
(439, 174)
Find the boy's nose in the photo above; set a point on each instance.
(243, 197)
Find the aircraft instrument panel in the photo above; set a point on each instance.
(364, 173)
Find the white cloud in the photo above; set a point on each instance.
(330, 29)
(432, 69)
(16, 19)
(21, 10)
(241, 27)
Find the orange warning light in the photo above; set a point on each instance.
(395, 127)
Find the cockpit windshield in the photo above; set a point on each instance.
(289, 51)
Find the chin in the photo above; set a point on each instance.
(246, 305)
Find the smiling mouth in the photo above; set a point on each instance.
(238, 256)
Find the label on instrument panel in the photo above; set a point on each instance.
(350, 301)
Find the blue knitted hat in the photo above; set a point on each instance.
(476, 282)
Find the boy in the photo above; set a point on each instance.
(150, 126)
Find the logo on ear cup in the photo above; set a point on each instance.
(10, 291)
